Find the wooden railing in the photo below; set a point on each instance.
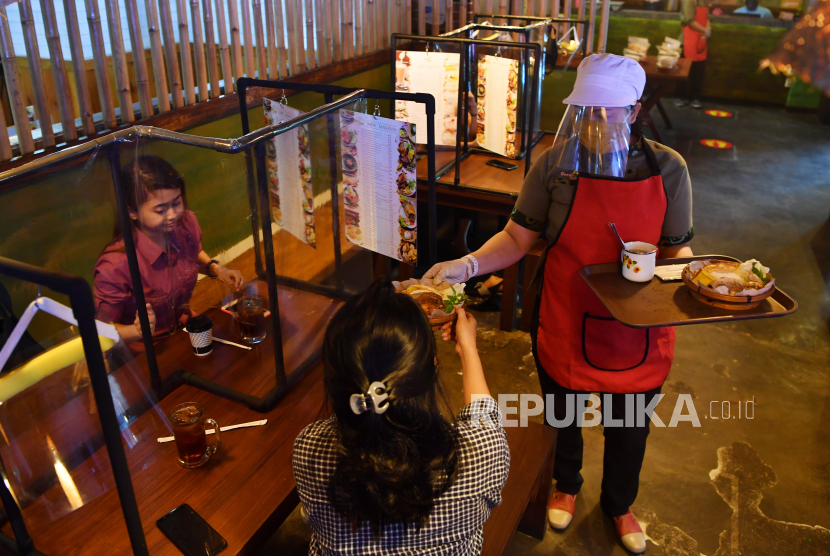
(61, 97)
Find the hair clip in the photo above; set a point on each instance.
(360, 402)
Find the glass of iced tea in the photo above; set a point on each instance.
(188, 421)
(249, 318)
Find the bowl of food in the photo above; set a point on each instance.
(439, 303)
(349, 164)
(408, 235)
(406, 219)
(729, 284)
(350, 195)
(407, 252)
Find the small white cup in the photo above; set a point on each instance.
(638, 260)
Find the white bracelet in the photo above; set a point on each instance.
(475, 265)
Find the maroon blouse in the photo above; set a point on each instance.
(168, 276)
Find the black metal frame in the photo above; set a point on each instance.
(464, 78)
(329, 92)
(83, 307)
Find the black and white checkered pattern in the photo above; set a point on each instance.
(457, 519)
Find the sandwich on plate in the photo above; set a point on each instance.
(731, 277)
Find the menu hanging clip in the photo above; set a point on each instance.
(377, 109)
(427, 51)
(283, 99)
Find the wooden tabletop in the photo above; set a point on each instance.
(680, 72)
(483, 187)
(246, 489)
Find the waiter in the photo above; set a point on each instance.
(597, 172)
(694, 19)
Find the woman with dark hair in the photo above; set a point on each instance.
(168, 242)
(388, 472)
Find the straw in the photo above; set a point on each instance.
(221, 341)
(164, 439)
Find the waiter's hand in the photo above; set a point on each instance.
(708, 32)
(454, 272)
(233, 278)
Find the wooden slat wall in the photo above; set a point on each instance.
(36, 73)
(199, 51)
(224, 54)
(62, 91)
(210, 46)
(273, 39)
(78, 68)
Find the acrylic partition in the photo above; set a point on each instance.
(346, 169)
(187, 201)
(275, 228)
(137, 218)
(522, 84)
(71, 396)
(523, 29)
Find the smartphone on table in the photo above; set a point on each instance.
(504, 165)
(191, 533)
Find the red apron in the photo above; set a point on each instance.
(577, 341)
(695, 47)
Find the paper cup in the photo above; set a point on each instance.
(200, 330)
(638, 260)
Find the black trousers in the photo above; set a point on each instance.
(694, 88)
(625, 448)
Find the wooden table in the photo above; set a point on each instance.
(483, 188)
(244, 492)
(247, 489)
(658, 83)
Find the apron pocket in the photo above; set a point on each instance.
(608, 345)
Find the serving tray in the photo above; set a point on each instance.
(658, 303)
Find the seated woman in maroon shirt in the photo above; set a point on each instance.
(168, 242)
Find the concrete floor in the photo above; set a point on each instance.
(733, 486)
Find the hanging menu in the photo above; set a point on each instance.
(496, 99)
(435, 73)
(288, 160)
(379, 184)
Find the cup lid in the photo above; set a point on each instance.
(198, 324)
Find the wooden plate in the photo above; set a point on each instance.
(731, 299)
(437, 322)
(725, 304)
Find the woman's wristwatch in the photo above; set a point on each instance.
(207, 268)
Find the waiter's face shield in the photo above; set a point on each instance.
(594, 140)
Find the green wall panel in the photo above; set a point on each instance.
(734, 54)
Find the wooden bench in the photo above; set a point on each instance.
(524, 498)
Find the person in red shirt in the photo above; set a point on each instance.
(168, 242)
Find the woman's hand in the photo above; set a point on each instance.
(233, 278)
(454, 272)
(132, 332)
(465, 332)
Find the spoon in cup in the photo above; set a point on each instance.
(614, 227)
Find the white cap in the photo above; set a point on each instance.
(607, 80)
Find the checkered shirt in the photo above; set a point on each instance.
(457, 520)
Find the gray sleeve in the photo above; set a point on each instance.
(678, 225)
(531, 208)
